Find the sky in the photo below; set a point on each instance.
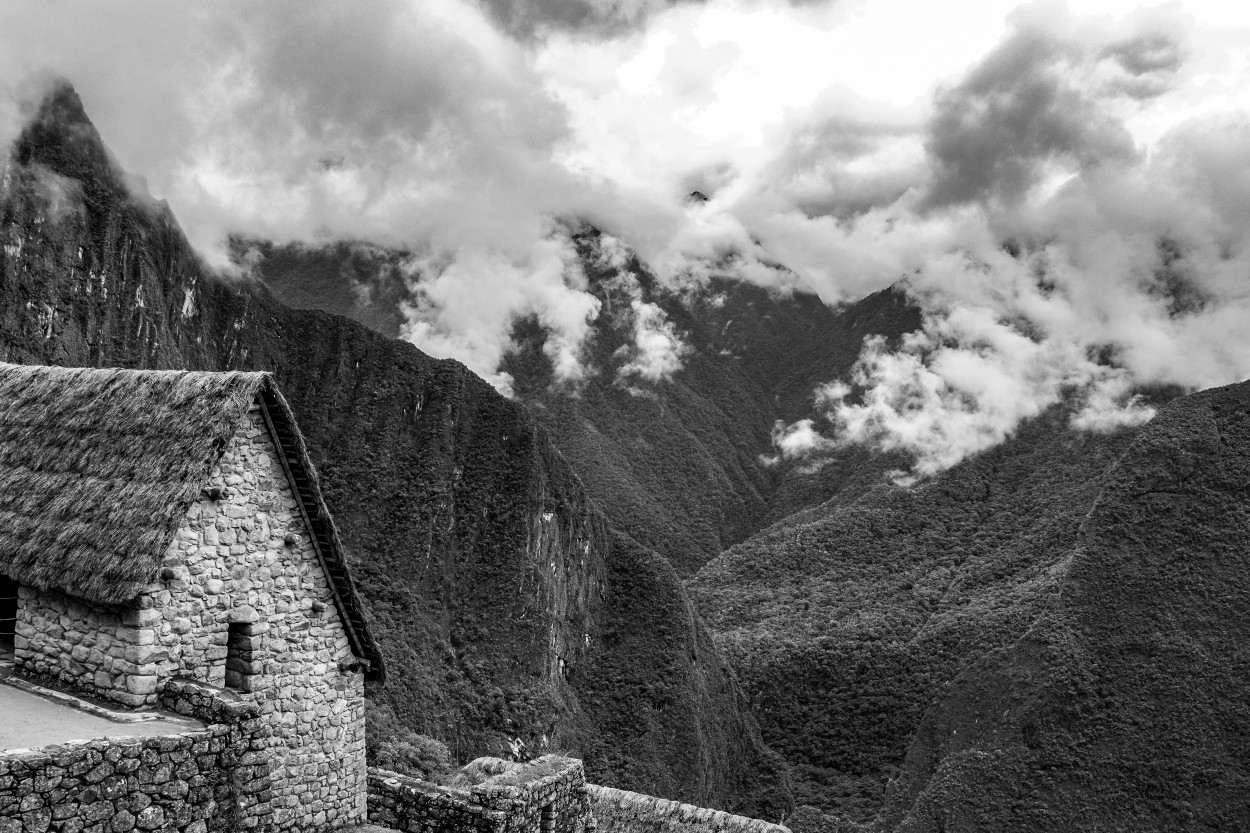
(1061, 187)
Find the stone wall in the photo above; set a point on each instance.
(242, 571)
(544, 796)
(205, 781)
(620, 811)
(91, 647)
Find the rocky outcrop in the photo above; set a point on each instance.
(490, 577)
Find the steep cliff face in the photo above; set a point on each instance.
(490, 576)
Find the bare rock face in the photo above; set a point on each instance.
(499, 594)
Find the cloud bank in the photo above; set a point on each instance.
(1057, 258)
(1062, 189)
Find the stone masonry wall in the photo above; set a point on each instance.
(621, 811)
(242, 571)
(546, 795)
(91, 647)
(210, 781)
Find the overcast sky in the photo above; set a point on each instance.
(856, 142)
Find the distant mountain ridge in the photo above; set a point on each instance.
(506, 605)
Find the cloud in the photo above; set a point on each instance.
(1054, 260)
(1063, 193)
(658, 350)
(1026, 105)
(462, 303)
(528, 19)
(1127, 276)
(602, 18)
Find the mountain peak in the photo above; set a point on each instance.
(61, 137)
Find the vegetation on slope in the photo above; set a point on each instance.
(1122, 706)
(846, 624)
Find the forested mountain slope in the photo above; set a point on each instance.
(504, 603)
(1050, 636)
(1122, 705)
(847, 623)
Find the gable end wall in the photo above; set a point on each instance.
(231, 563)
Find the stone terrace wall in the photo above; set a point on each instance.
(415, 806)
(90, 647)
(208, 781)
(247, 560)
(620, 811)
(545, 796)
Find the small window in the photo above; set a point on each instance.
(242, 657)
(8, 612)
(548, 822)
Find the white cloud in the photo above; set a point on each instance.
(464, 304)
(658, 349)
(1109, 147)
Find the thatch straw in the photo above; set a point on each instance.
(99, 467)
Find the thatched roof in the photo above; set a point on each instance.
(99, 467)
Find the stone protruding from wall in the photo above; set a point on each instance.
(490, 795)
(213, 780)
(620, 811)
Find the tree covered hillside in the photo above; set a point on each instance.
(848, 622)
(1122, 705)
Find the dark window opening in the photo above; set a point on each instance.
(8, 612)
(242, 660)
(548, 822)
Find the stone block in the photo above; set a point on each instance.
(141, 617)
(142, 655)
(122, 822)
(129, 698)
(244, 614)
(151, 818)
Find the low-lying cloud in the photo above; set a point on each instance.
(1067, 207)
(1062, 261)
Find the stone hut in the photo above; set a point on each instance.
(165, 525)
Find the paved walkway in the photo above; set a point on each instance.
(29, 721)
